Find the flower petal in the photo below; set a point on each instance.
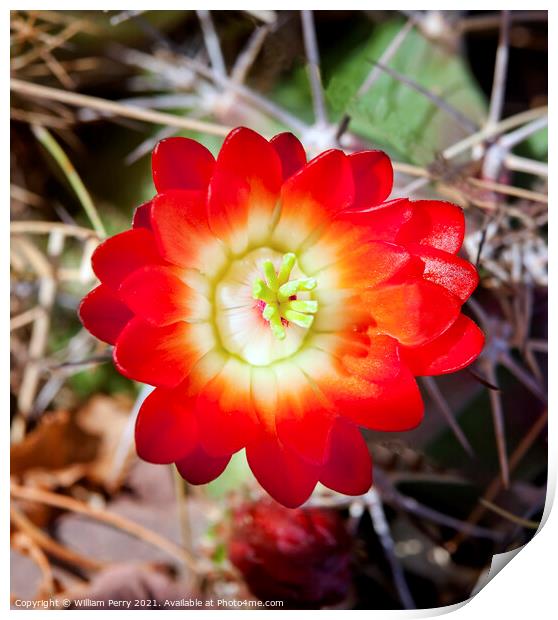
(456, 348)
(349, 467)
(381, 223)
(156, 294)
(284, 475)
(119, 256)
(200, 468)
(142, 216)
(180, 226)
(362, 266)
(161, 356)
(244, 189)
(291, 153)
(385, 399)
(413, 312)
(456, 275)
(103, 314)
(326, 180)
(373, 178)
(303, 417)
(381, 361)
(265, 394)
(226, 415)
(391, 406)
(181, 163)
(166, 427)
(435, 223)
(310, 197)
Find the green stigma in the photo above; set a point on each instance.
(280, 296)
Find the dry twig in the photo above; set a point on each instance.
(110, 518)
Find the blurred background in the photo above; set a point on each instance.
(458, 100)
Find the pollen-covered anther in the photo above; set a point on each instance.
(279, 295)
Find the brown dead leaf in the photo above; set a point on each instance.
(52, 455)
(107, 417)
(66, 447)
(56, 443)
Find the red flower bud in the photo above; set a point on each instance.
(301, 557)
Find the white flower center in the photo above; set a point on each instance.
(264, 307)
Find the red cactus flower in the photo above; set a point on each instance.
(279, 305)
(301, 557)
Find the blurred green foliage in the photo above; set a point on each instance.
(395, 115)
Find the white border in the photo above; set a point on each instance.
(526, 587)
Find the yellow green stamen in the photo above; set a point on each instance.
(279, 295)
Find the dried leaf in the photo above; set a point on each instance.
(65, 447)
(56, 443)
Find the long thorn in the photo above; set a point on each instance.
(499, 428)
(500, 71)
(313, 58)
(437, 396)
(392, 496)
(496, 485)
(382, 530)
(523, 376)
(386, 56)
(117, 109)
(212, 44)
(439, 102)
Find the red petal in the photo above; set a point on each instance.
(291, 153)
(456, 275)
(226, 416)
(103, 314)
(181, 163)
(373, 178)
(166, 427)
(161, 356)
(326, 181)
(349, 467)
(303, 414)
(414, 312)
(365, 266)
(142, 216)
(385, 399)
(156, 294)
(456, 348)
(305, 428)
(180, 226)
(435, 223)
(391, 406)
(223, 432)
(200, 468)
(119, 256)
(307, 435)
(264, 390)
(244, 188)
(285, 476)
(380, 363)
(382, 223)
